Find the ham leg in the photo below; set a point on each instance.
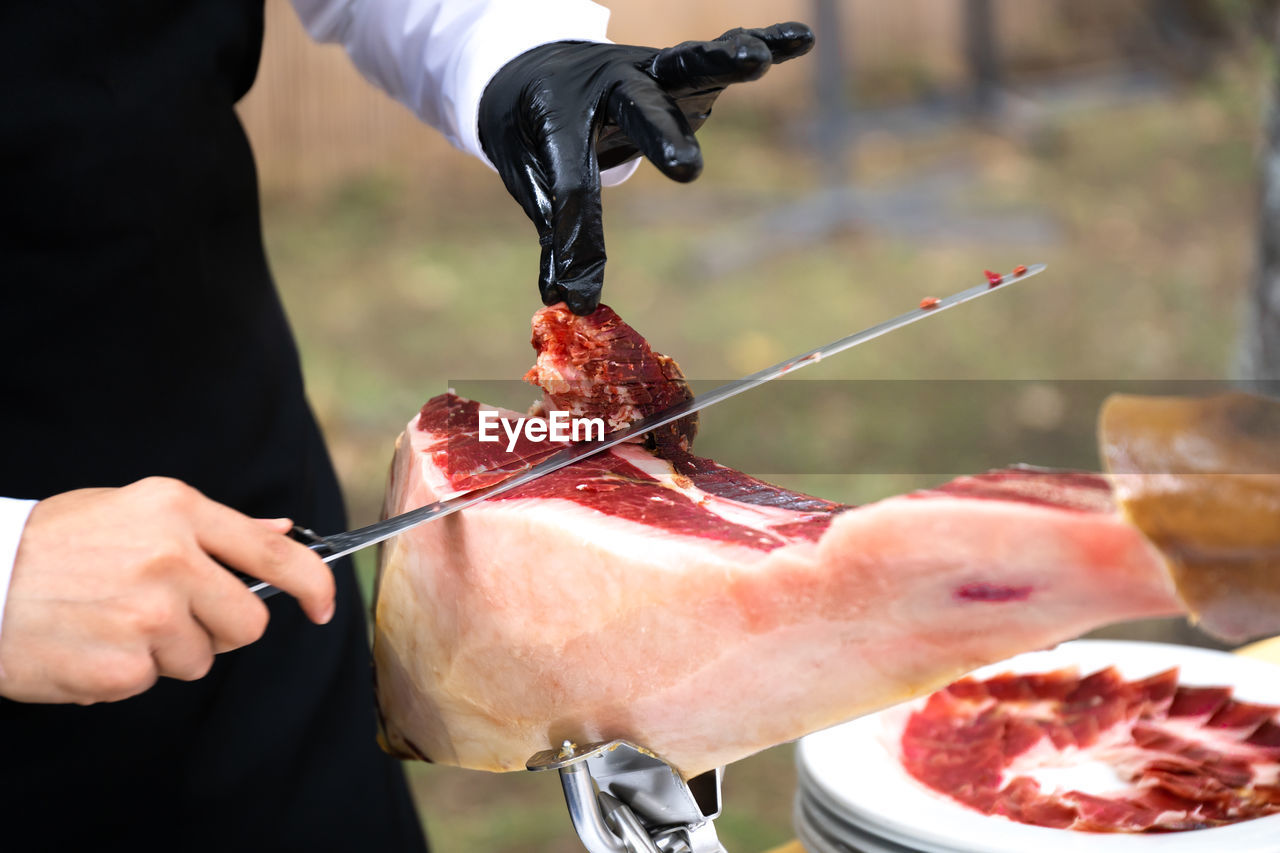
(652, 595)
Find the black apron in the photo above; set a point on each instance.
(141, 334)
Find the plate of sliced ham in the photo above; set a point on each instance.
(1120, 746)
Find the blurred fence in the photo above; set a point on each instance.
(313, 120)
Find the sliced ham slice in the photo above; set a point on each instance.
(599, 367)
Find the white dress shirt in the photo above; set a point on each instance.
(435, 57)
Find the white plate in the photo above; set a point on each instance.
(853, 769)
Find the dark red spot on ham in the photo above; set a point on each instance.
(992, 592)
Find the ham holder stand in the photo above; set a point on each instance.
(624, 799)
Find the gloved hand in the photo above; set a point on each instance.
(554, 116)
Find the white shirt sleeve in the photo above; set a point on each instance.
(437, 56)
(13, 518)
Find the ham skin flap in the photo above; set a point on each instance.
(652, 595)
(1201, 478)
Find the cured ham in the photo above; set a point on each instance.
(1178, 757)
(707, 615)
(653, 595)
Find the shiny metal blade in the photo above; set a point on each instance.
(340, 544)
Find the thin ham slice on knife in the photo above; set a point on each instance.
(653, 595)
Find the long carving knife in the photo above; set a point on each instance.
(340, 544)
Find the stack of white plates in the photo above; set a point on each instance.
(855, 797)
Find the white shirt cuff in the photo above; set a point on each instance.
(511, 28)
(13, 518)
(618, 174)
(437, 56)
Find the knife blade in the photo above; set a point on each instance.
(337, 545)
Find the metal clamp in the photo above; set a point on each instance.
(623, 798)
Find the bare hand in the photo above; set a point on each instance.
(113, 588)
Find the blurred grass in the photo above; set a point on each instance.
(395, 289)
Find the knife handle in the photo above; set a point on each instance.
(307, 537)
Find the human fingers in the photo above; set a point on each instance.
(59, 651)
(648, 117)
(230, 614)
(277, 525)
(245, 545)
(180, 646)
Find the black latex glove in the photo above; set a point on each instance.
(554, 116)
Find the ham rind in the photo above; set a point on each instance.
(706, 615)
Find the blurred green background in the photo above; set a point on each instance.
(1119, 155)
